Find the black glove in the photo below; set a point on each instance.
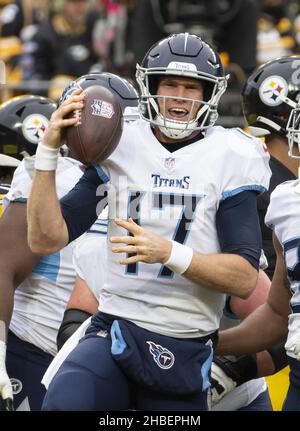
(228, 372)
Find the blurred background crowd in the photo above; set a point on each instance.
(44, 44)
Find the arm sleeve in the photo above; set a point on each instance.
(238, 227)
(79, 207)
(72, 319)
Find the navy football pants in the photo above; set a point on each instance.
(26, 365)
(90, 380)
(292, 401)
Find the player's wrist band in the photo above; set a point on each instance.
(180, 258)
(2, 331)
(46, 158)
(2, 356)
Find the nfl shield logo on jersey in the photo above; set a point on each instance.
(169, 163)
(162, 356)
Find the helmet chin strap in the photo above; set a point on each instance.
(179, 129)
(169, 129)
(24, 154)
(269, 123)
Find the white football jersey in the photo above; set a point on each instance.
(176, 195)
(40, 301)
(89, 257)
(283, 217)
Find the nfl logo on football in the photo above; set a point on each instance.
(101, 108)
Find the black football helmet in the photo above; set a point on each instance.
(127, 95)
(270, 98)
(23, 119)
(184, 55)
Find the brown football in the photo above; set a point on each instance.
(99, 128)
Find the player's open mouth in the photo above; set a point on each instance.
(178, 113)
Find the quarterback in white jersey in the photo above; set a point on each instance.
(181, 197)
(172, 195)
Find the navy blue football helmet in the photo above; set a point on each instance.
(126, 93)
(184, 55)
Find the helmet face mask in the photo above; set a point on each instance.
(181, 55)
(23, 120)
(293, 132)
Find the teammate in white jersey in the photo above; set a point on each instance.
(41, 298)
(90, 265)
(44, 284)
(182, 206)
(279, 90)
(267, 116)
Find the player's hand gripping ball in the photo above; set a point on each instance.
(99, 127)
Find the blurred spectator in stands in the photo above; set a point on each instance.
(110, 37)
(225, 23)
(64, 44)
(297, 32)
(22, 13)
(18, 23)
(295, 7)
(276, 36)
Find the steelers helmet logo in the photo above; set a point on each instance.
(272, 90)
(34, 126)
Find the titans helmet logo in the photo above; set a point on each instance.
(162, 356)
(68, 91)
(272, 90)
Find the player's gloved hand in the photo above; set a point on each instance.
(6, 391)
(221, 384)
(227, 372)
(293, 345)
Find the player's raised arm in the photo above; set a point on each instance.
(47, 230)
(267, 325)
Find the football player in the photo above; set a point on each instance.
(182, 208)
(278, 92)
(267, 116)
(44, 284)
